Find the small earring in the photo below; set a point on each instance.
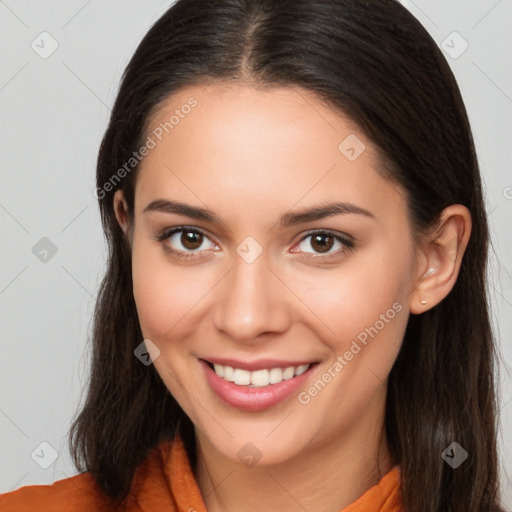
(423, 302)
(429, 272)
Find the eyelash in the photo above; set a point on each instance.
(348, 243)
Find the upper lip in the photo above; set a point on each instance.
(260, 364)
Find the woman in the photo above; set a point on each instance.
(294, 312)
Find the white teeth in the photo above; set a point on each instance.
(219, 369)
(228, 373)
(276, 375)
(288, 373)
(241, 377)
(301, 369)
(258, 378)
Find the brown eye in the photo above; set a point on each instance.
(325, 244)
(322, 242)
(191, 239)
(186, 242)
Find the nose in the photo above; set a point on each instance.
(251, 302)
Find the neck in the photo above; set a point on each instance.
(326, 478)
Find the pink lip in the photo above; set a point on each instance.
(257, 398)
(261, 364)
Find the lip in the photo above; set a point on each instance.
(260, 364)
(257, 398)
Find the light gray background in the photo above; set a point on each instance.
(54, 111)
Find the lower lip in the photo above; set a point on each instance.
(256, 398)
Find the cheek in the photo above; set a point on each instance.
(165, 293)
(155, 289)
(352, 299)
(365, 308)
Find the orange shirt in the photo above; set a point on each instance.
(164, 482)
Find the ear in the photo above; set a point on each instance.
(440, 258)
(121, 211)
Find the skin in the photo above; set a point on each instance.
(251, 155)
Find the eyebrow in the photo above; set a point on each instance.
(288, 219)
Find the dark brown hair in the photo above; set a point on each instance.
(373, 61)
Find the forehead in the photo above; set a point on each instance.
(255, 147)
(239, 111)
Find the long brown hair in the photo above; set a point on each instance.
(376, 63)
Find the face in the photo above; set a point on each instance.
(306, 312)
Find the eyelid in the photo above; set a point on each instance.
(345, 239)
(167, 233)
(335, 234)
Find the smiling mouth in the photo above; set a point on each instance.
(258, 378)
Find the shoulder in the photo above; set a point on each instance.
(79, 493)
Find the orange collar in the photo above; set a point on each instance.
(164, 481)
(181, 491)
